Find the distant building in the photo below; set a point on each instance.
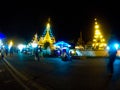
(99, 42)
(47, 36)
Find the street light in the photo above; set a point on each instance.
(10, 44)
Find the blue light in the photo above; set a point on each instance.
(62, 44)
(108, 47)
(2, 36)
(116, 46)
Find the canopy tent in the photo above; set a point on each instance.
(62, 44)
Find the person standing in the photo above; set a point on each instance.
(2, 53)
(6, 51)
(40, 52)
(36, 53)
(112, 56)
(11, 51)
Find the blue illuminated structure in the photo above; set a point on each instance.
(62, 44)
(114, 45)
(63, 50)
(2, 36)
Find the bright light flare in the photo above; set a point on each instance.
(108, 48)
(48, 26)
(21, 46)
(1, 42)
(96, 26)
(34, 45)
(10, 44)
(116, 46)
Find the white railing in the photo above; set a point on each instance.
(96, 53)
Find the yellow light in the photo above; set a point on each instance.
(72, 52)
(48, 26)
(96, 36)
(11, 43)
(96, 26)
(77, 47)
(97, 44)
(101, 45)
(97, 33)
(98, 39)
(101, 36)
(94, 40)
(105, 44)
(103, 40)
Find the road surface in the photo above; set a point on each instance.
(78, 74)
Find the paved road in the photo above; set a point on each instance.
(7, 82)
(55, 74)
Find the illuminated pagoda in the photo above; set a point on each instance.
(99, 42)
(47, 36)
(34, 41)
(80, 42)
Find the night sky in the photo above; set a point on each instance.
(67, 19)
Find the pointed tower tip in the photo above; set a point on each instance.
(36, 33)
(95, 19)
(49, 19)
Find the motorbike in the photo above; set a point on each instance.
(65, 57)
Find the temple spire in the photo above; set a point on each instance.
(98, 39)
(49, 20)
(47, 35)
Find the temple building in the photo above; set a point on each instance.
(99, 42)
(47, 36)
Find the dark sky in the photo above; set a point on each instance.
(67, 19)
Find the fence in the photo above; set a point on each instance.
(96, 53)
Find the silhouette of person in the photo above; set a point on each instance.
(2, 52)
(40, 52)
(11, 51)
(36, 53)
(65, 55)
(6, 51)
(112, 55)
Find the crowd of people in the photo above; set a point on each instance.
(64, 54)
(5, 51)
